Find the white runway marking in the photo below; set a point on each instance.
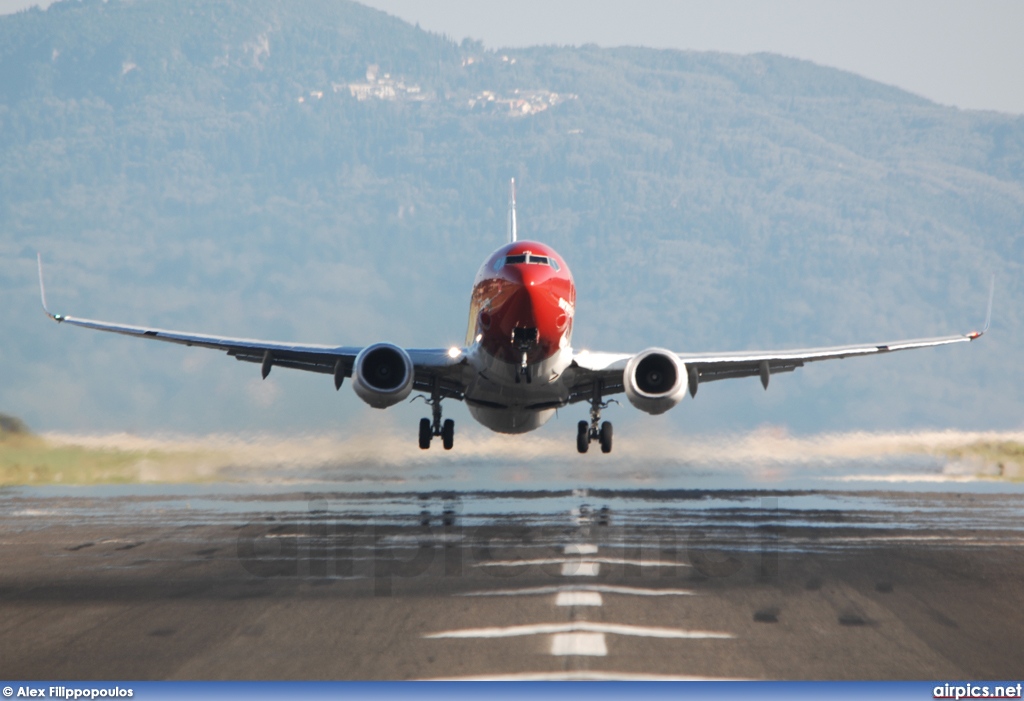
(583, 676)
(563, 560)
(578, 598)
(602, 588)
(580, 627)
(580, 549)
(580, 638)
(580, 569)
(591, 644)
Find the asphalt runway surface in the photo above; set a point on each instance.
(850, 575)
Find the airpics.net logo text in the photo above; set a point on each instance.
(976, 691)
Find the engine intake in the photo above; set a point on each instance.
(382, 375)
(655, 380)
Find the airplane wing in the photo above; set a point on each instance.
(605, 370)
(433, 366)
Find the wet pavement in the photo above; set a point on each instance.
(868, 569)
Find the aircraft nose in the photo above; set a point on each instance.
(528, 275)
(530, 293)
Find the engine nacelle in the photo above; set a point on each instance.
(382, 375)
(655, 380)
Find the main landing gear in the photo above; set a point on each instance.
(595, 430)
(430, 428)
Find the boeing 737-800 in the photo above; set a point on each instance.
(518, 364)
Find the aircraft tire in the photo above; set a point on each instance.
(606, 437)
(425, 433)
(448, 434)
(583, 437)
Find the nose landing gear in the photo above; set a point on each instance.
(524, 339)
(524, 370)
(595, 430)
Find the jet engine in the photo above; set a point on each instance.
(655, 380)
(382, 375)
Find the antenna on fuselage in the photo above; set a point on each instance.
(512, 235)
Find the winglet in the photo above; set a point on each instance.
(512, 234)
(988, 314)
(42, 291)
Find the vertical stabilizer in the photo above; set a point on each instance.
(512, 234)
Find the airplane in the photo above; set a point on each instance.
(517, 366)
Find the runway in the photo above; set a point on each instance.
(845, 574)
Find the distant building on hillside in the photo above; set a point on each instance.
(382, 88)
(521, 103)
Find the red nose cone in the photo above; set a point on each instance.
(528, 293)
(522, 302)
(528, 275)
(526, 316)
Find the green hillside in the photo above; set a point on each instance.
(229, 167)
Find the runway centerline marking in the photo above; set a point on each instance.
(578, 598)
(602, 588)
(591, 644)
(580, 569)
(580, 627)
(580, 549)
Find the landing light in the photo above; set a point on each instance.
(454, 352)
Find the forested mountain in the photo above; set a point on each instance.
(316, 170)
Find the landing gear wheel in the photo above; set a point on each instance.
(425, 433)
(583, 436)
(448, 434)
(606, 437)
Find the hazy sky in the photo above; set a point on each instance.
(967, 53)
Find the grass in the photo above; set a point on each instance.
(27, 459)
(31, 461)
(1006, 456)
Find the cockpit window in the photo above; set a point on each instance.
(526, 258)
